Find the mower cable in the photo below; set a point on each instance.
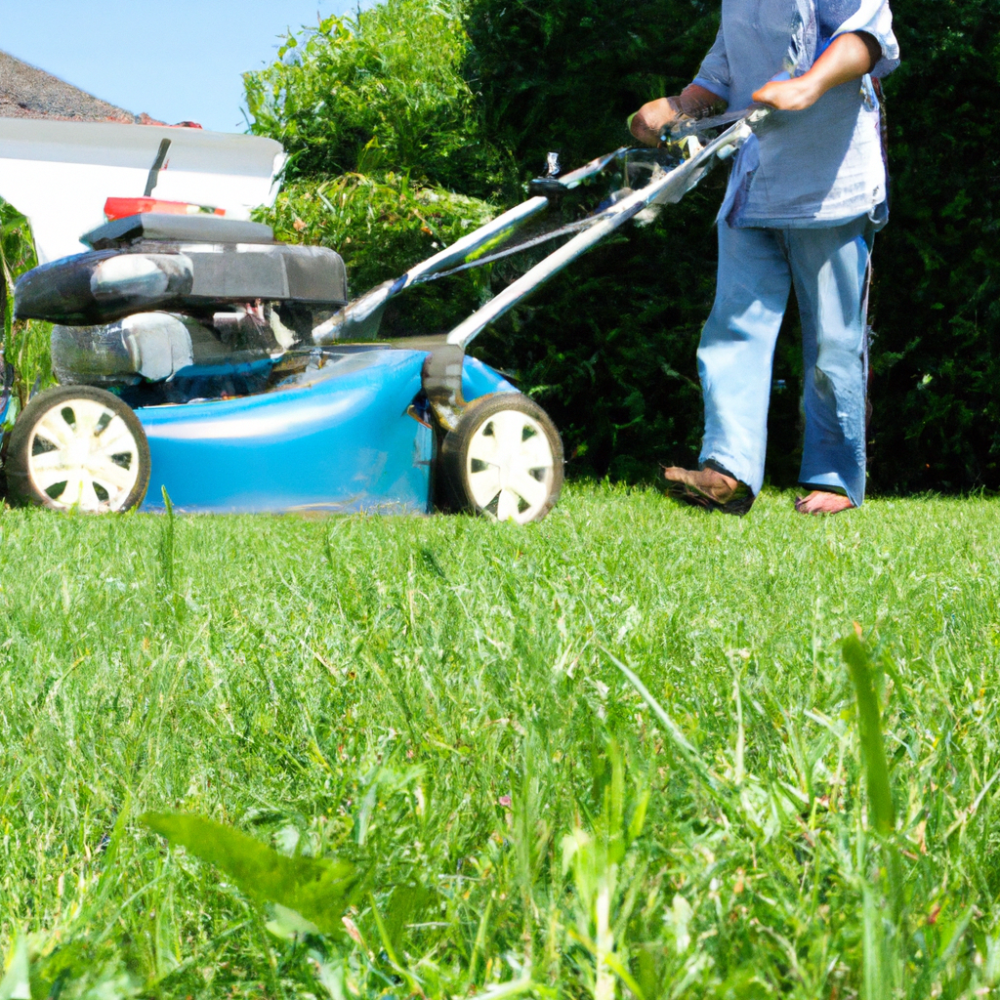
(567, 230)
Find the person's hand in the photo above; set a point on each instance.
(847, 59)
(653, 119)
(789, 95)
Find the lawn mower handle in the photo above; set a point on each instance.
(359, 318)
(667, 189)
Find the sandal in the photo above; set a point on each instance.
(711, 494)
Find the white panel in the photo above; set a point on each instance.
(59, 174)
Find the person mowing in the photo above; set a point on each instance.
(806, 196)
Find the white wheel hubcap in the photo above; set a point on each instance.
(510, 466)
(82, 454)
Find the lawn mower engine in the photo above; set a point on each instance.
(170, 307)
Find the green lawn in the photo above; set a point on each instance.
(435, 701)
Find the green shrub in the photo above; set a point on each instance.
(937, 307)
(382, 128)
(382, 92)
(25, 345)
(381, 226)
(565, 75)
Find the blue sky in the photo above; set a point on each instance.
(177, 60)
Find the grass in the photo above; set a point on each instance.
(439, 703)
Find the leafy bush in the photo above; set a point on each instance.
(381, 225)
(937, 314)
(564, 76)
(25, 345)
(378, 225)
(380, 92)
(381, 127)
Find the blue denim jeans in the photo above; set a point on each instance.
(828, 267)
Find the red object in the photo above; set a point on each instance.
(122, 208)
(145, 119)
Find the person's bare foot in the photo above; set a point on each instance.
(821, 502)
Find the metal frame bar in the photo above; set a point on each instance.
(368, 305)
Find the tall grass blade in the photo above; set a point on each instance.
(166, 552)
(318, 890)
(514, 988)
(883, 812)
(877, 973)
(879, 940)
(739, 762)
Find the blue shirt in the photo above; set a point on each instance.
(818, 167)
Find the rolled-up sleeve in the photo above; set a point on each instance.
(714, 72)
(873, 17)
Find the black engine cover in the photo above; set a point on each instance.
(194, 266)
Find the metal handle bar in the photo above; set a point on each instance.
(355, 314)
(668, 189)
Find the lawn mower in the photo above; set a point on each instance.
(202, 363)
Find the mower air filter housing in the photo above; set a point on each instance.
(158, 347)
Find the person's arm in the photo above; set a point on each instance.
(848, 58)
(707, 95)
(651, 120)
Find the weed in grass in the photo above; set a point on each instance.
(617, 753)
